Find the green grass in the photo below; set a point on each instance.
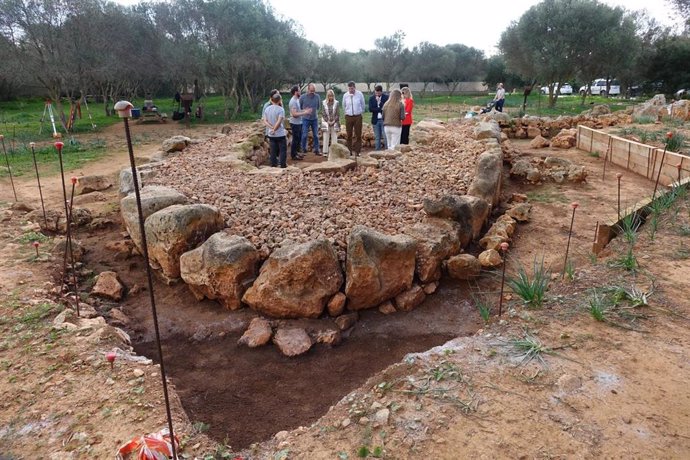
(74, 155)
(38, 312)
(30, 237)
(546, 196)
(537, 104)
(531, 289)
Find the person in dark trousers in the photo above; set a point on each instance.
(310, 121)
(273, 118)
(353, 106)
(376, 102)
(296, 113)
(500, 97)
(408, 101)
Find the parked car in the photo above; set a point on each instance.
(565, 88)
(598, 88)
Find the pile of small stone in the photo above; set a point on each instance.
(270, 210)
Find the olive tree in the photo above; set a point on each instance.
(556, 40)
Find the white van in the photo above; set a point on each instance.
(598, 88)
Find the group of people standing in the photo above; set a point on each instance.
(391, 119)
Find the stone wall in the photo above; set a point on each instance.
(389, 272)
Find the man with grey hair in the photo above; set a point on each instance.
(353, 105)
(310, 101)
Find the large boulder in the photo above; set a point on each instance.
(469, 212)
(525, 169)
(108, 286)
(292, 342)
(539, 142)
(430, 125)
(76, 248)
(599, 110)
(94, 183)
(378, 267)
(258, 333)
(176, 229)
(175, 144)
(488, 176)
(55, 221)
(434, 244)
(144, 173)
(463, 267)
(338, 166)
(338, 152)
(222, 268)
(296, 281)
(409, 299)
(566, 139)
(487, 130)
(681, 110)
(651, 108)
(153, 199)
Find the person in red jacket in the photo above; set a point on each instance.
(408, 100)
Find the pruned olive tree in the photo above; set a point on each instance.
(428, 63)
(545, 42)
(467, 63)
(387, 57)
(556, 40)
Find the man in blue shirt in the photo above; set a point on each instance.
(376, 102)
(353, 105)
(312, 101)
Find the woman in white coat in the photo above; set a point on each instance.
(330, 125)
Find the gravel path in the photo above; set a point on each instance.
(268, 209)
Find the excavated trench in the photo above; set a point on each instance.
(246, 395)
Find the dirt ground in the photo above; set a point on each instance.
(613, 389)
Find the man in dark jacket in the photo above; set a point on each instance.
(376, 102)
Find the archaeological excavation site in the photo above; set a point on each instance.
(338, 299)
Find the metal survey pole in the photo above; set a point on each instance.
(38, 179)
(9, 171)
(124, 111)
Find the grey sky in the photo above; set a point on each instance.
(355, 24)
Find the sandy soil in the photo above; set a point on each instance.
(614, 389)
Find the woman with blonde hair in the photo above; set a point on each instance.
(331, 121)
(408, 101)
(393, 115)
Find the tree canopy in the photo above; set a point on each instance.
(241, 49)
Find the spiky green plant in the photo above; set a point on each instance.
(531, 289)
(570, 270)
(597, 306)
(629, 226)
(530, 347)
(675, 143)
(644, 119)
(483, 306)
(627, 262)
